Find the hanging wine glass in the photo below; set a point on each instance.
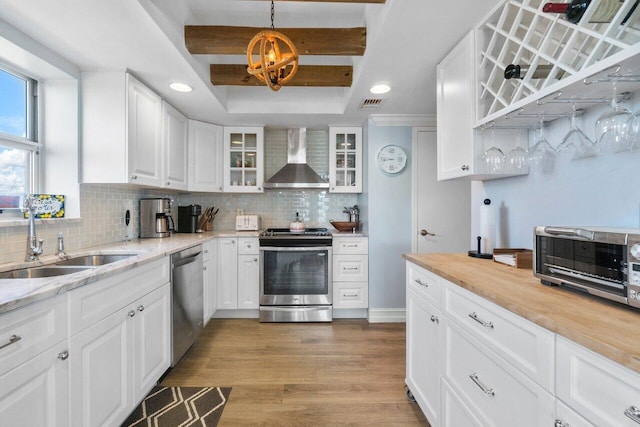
(575, 144)
(517, 160)
(614, 129)
(541, 154)
(493, 158)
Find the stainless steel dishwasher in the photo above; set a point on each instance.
(186, 293)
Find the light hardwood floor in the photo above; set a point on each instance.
(348, 372)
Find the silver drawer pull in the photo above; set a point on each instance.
(485, 390)
(421, 283)
(475, 317)
(12, 340)
(435, 319)
(63, 355)
(633, 413)
(350, 268)
(131, 313)
(350, 246)
(141, 308)
(559, 423)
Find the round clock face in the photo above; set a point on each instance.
(392, 159)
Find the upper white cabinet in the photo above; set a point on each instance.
(121, 122)
(460, 146)
(345, 160)
(243, 159)
(175, 128)
(205, 157)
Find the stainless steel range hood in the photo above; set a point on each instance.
(296, 173)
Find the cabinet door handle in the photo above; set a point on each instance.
(349, 268)
(485, 389)
(421, 283)
(633, 412)
(131, 313)
(141, 308)
(255, 260)
(63, 355)
(12, 340)
(465, 167)
(559, 423)
(206, 251)
(204, 268)
(134, 177)
(475, 317)
(435, 319)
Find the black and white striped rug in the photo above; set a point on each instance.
(180, 406)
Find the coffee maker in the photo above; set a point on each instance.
(155, 218)
(188, 218)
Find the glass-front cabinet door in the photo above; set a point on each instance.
(243, 164)
(345, 159)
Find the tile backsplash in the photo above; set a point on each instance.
(103, 206)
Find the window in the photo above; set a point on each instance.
(18, 142)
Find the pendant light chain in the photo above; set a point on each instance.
(272, 15)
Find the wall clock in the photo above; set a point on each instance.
(392, 159)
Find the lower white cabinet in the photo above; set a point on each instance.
(424, 355)
(455, 412)
(567, 417)
(209, 282)
(239, 273)
(598, 389)
(117, 361)
(350, 272)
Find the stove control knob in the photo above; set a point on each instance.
(632, 294)
(635, 250)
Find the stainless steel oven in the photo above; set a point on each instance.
(296, 276)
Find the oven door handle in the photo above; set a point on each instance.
(573, 232)
(293, 248)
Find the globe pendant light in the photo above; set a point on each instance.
(278, 57)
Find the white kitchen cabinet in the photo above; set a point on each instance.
(175, 131)
(36, 393)
(34, 365)
(345, 159)
(350, 264)
(567, 417)
(121, 122)
(238, 277)
(455, 413)
(459, 145)
(205, 157)
(209, 268)
(595, 387)
(243, 159)
(424, 354)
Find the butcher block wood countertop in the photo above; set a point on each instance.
(607, 328)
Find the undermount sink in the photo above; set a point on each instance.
(94, 260)
(37, 272)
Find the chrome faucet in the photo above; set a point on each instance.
(61, 252)
(34, 246)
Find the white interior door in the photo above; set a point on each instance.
(441, 209)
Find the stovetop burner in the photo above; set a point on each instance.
(285, 232)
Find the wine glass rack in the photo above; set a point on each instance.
(519, 32)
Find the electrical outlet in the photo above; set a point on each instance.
(239, 211)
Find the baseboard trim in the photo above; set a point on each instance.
(236, 314)
(349, 313)
(387, 315)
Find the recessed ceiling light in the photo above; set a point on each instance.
(180, 87)
(380, 89)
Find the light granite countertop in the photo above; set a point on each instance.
(15, 293)
(608, 328)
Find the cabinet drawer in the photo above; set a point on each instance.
(350, 268)
(567, 417)
(499, 393)
(424, 283)
(595, 387)
(93, 302)
(350, 245)
(248, 246)
(351, 295)
(529, 347)
(29, 330)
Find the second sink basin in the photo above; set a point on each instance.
(37, 272)
(94, 260)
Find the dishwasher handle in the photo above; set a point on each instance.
(183, 261)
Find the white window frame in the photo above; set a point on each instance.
(30, 143)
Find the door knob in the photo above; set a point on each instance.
(424, 232)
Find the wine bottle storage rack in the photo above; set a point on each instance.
(518, 32)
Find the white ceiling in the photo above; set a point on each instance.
(405, 40)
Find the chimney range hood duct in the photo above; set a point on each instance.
(296, 173)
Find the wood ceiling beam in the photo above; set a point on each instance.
(307, 75)
(224, 40)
